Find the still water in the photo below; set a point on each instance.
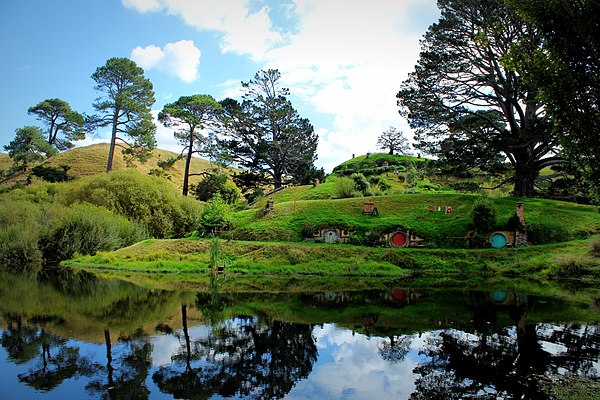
(67, 335)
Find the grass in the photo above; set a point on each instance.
(91, 160)
(410, 211)
(434, 267)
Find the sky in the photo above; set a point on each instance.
(342, 60)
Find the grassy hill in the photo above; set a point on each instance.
(91, 160)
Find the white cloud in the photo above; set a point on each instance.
(343, 60)
(180, 59)
(347, 60)
(143, 6)
(242, 30)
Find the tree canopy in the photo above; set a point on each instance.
(468, 103)
(28, 146)
(193, 115)
(125, 106)
(62, 123)
(568, 72)
(393, 140)
(266, 134)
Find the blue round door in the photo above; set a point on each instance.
(498, 240)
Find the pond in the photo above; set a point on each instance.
(72, 335)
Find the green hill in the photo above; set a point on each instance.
(91, 160)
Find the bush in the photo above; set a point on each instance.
(344, 188)
(211, 184)
(216, 215)
(20, 230)
(361, 183)
(547, 232)
(463, 187)
(149, 200)
(484, 216)
(86, 229)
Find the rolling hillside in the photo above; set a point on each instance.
(91, 160)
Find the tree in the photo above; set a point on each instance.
(394, 141)
(465, 90)
(28, 146)
(125, 106)
(265, 132)
(568, 72)
(194, 114)
(59, 118)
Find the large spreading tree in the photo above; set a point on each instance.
(568, 72)
(266, 134)
(393, 140)
(125, 106)
(62, 123)
(193, 115)
(467, 100)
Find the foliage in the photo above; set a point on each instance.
(361, 183)
(125, 106)
(469, 104)
(547, 232)
(215, 215)
(52, 174)
(596, 247)
(149, 200)
(484, 216)
(374, 164)
(28, 146)
(59, 118)
(216, 183)
(566, 70)
(473, 187)
(344, 188)
(393, 140)
(193, 115)
(20, 229)
(86, 229)
(266, 134)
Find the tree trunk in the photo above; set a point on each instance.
(188, 160)
(113, 139)
(524, 183)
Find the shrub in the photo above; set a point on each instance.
(216, 214)
(484, 215)
(20, 230)
(344, 188)
(547, 232)
(149, 200)
(87, 229)
(213, 183)
(361, 183)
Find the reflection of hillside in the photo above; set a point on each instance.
(78, 305)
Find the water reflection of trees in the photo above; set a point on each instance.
(505, 362)
(247, 357)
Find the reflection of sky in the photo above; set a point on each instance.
(350, 367)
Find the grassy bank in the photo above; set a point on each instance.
(569, 260)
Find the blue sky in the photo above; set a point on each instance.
(343, 60)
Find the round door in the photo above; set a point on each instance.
(498, 240)
(330, 236)
(398, 239)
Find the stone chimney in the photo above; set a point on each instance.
(521, 232)
(521, 214)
